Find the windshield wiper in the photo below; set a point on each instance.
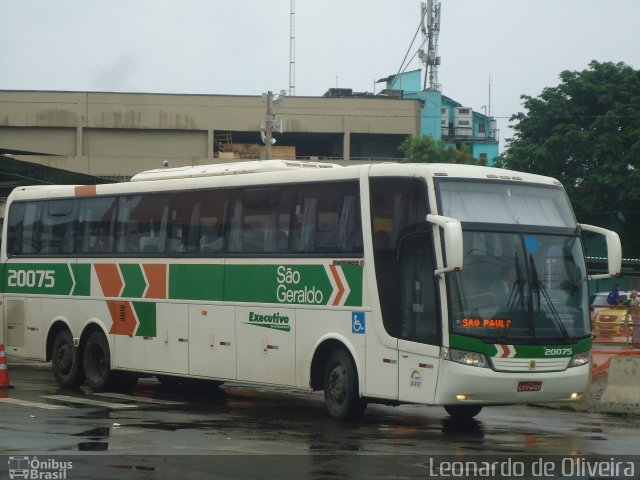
(516, 299)
(542, 293)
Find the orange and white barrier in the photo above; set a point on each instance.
(4, 371)
(622, 393)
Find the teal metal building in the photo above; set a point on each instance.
(443, 118)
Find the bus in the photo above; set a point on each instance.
(436, 284)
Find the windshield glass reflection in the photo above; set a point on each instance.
(519, 288)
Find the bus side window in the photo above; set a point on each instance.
(307, 225)
(96, 225)
(32, 228)
(203, 218)
(419, 312)
(15, 229)
(58, 227)
(328, 219)
(398, 207)
(143, 223)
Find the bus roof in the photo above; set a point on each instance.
(272, 172)
(227, 169)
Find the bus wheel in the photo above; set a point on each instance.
(341, 394)
(463, 412)
(65, 360)
(96, 361)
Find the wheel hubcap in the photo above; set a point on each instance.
(337, 383)
(64, 358)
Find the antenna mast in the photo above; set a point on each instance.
(292, 49)
(430, 33)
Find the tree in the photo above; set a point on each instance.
(586, 133)
(424, 149)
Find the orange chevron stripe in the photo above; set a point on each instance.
(85, 191)
(124, 319)
(109, 278)
(157, 279)
(341, 289)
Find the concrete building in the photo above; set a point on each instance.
(115, 135)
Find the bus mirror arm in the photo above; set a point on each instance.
(614, 251)
(452, 235)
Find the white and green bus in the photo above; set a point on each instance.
(434, 284)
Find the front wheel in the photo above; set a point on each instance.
(65, 360)
(463, 412)
(341, 394)
(96, 361)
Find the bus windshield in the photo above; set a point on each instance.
(505, 203)
(524, 277)
(520, 288)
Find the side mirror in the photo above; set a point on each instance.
(452, 241)
(614, 250)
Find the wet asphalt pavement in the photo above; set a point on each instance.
(237, 431)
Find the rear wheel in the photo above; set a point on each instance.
(463, 412)
(341, 394)
(65, 360)
(96, 361)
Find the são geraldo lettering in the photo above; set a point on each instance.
(289, 289)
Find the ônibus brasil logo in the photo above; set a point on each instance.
(33, 468)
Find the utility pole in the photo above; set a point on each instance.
(268, 134)
(268, 125)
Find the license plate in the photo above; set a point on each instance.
(529, 386)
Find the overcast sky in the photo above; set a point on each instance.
(242, 47)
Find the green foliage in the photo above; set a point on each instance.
(586, 133)
(424, 149)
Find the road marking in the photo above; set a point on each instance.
(88, 401)
(122, 396)
(26, 403)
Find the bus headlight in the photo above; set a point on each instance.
(580, 359)
(472, 359)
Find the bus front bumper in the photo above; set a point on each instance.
(462, 384)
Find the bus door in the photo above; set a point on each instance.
(419, 332)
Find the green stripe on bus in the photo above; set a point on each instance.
(316, 284)
(83, 280)
(146, 313)
(39, 278)
(521, 351)
(134, 282)
(196, 282)
(353, 274)
(288, 284)
(292, 284)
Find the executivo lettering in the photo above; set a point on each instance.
(274, 321)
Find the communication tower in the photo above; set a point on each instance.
(292, 49)
(430, 32)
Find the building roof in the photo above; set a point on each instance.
(15, 173)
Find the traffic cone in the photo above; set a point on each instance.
(4, 371)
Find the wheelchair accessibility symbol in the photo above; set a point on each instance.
(357, 323)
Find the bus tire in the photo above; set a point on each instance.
(341, 395)
(96, 361)
(463, 412)
(66, 361)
